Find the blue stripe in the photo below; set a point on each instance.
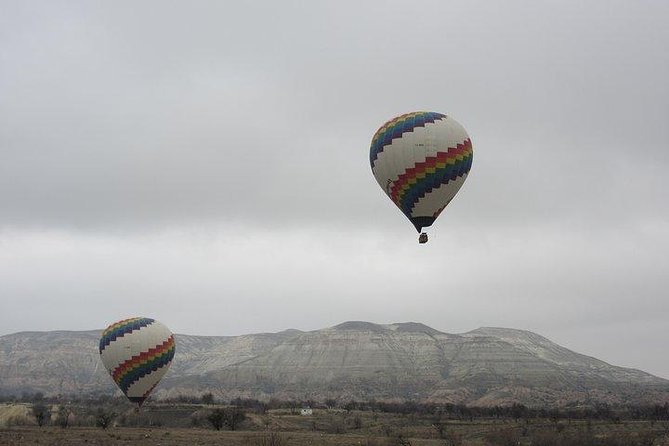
(123, 330)
(141, 372)
(397, 130)
(433, 181)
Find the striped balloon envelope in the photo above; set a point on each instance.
(137, 352)
(421, 160)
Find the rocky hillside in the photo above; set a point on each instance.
(353, 360)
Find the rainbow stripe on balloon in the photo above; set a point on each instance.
(425, 176)
(396, 127)
(122, 328)
(137, 352)
(138, 366)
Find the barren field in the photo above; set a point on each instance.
(172, 437)
(476, 433)
(189, 424)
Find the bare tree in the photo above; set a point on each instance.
(231, 418)
(63, 418)
(234, 417)
(217, 418)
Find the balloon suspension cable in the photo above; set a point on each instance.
(422, 238)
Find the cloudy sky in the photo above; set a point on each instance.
(207, 164)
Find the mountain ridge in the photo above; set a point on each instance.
(352, 360)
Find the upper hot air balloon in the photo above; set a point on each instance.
(421, 160)
(137, 353)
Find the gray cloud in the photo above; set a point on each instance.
(218, 153)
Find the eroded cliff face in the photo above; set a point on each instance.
(55, 362)
(354, 360)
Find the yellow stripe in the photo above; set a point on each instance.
(143, 363)
(393, 123)
(119, 324)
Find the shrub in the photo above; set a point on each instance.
(216, 418)
(41, 414)
(226, 417)
(64, 416)
(234, 417)
(104, 418)
(401, 440)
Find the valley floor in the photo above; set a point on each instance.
(475, 433)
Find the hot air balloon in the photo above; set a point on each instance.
(137, 352)
(421, 160)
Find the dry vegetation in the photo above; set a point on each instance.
(15, 415)
(187, 424)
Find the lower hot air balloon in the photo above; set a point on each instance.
(421, 160)
(137, 352)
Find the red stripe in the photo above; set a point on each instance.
(136, 359)
(430, 161)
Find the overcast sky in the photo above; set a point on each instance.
(207, 164)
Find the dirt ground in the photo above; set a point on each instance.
(473, 435)
(84, 436)
(172, 425)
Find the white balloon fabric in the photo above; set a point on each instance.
(137, 352)
(421, 160)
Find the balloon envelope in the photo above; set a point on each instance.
(137, 352)
(421, 160)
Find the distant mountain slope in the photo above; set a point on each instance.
(52, 362)
(353, 360)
